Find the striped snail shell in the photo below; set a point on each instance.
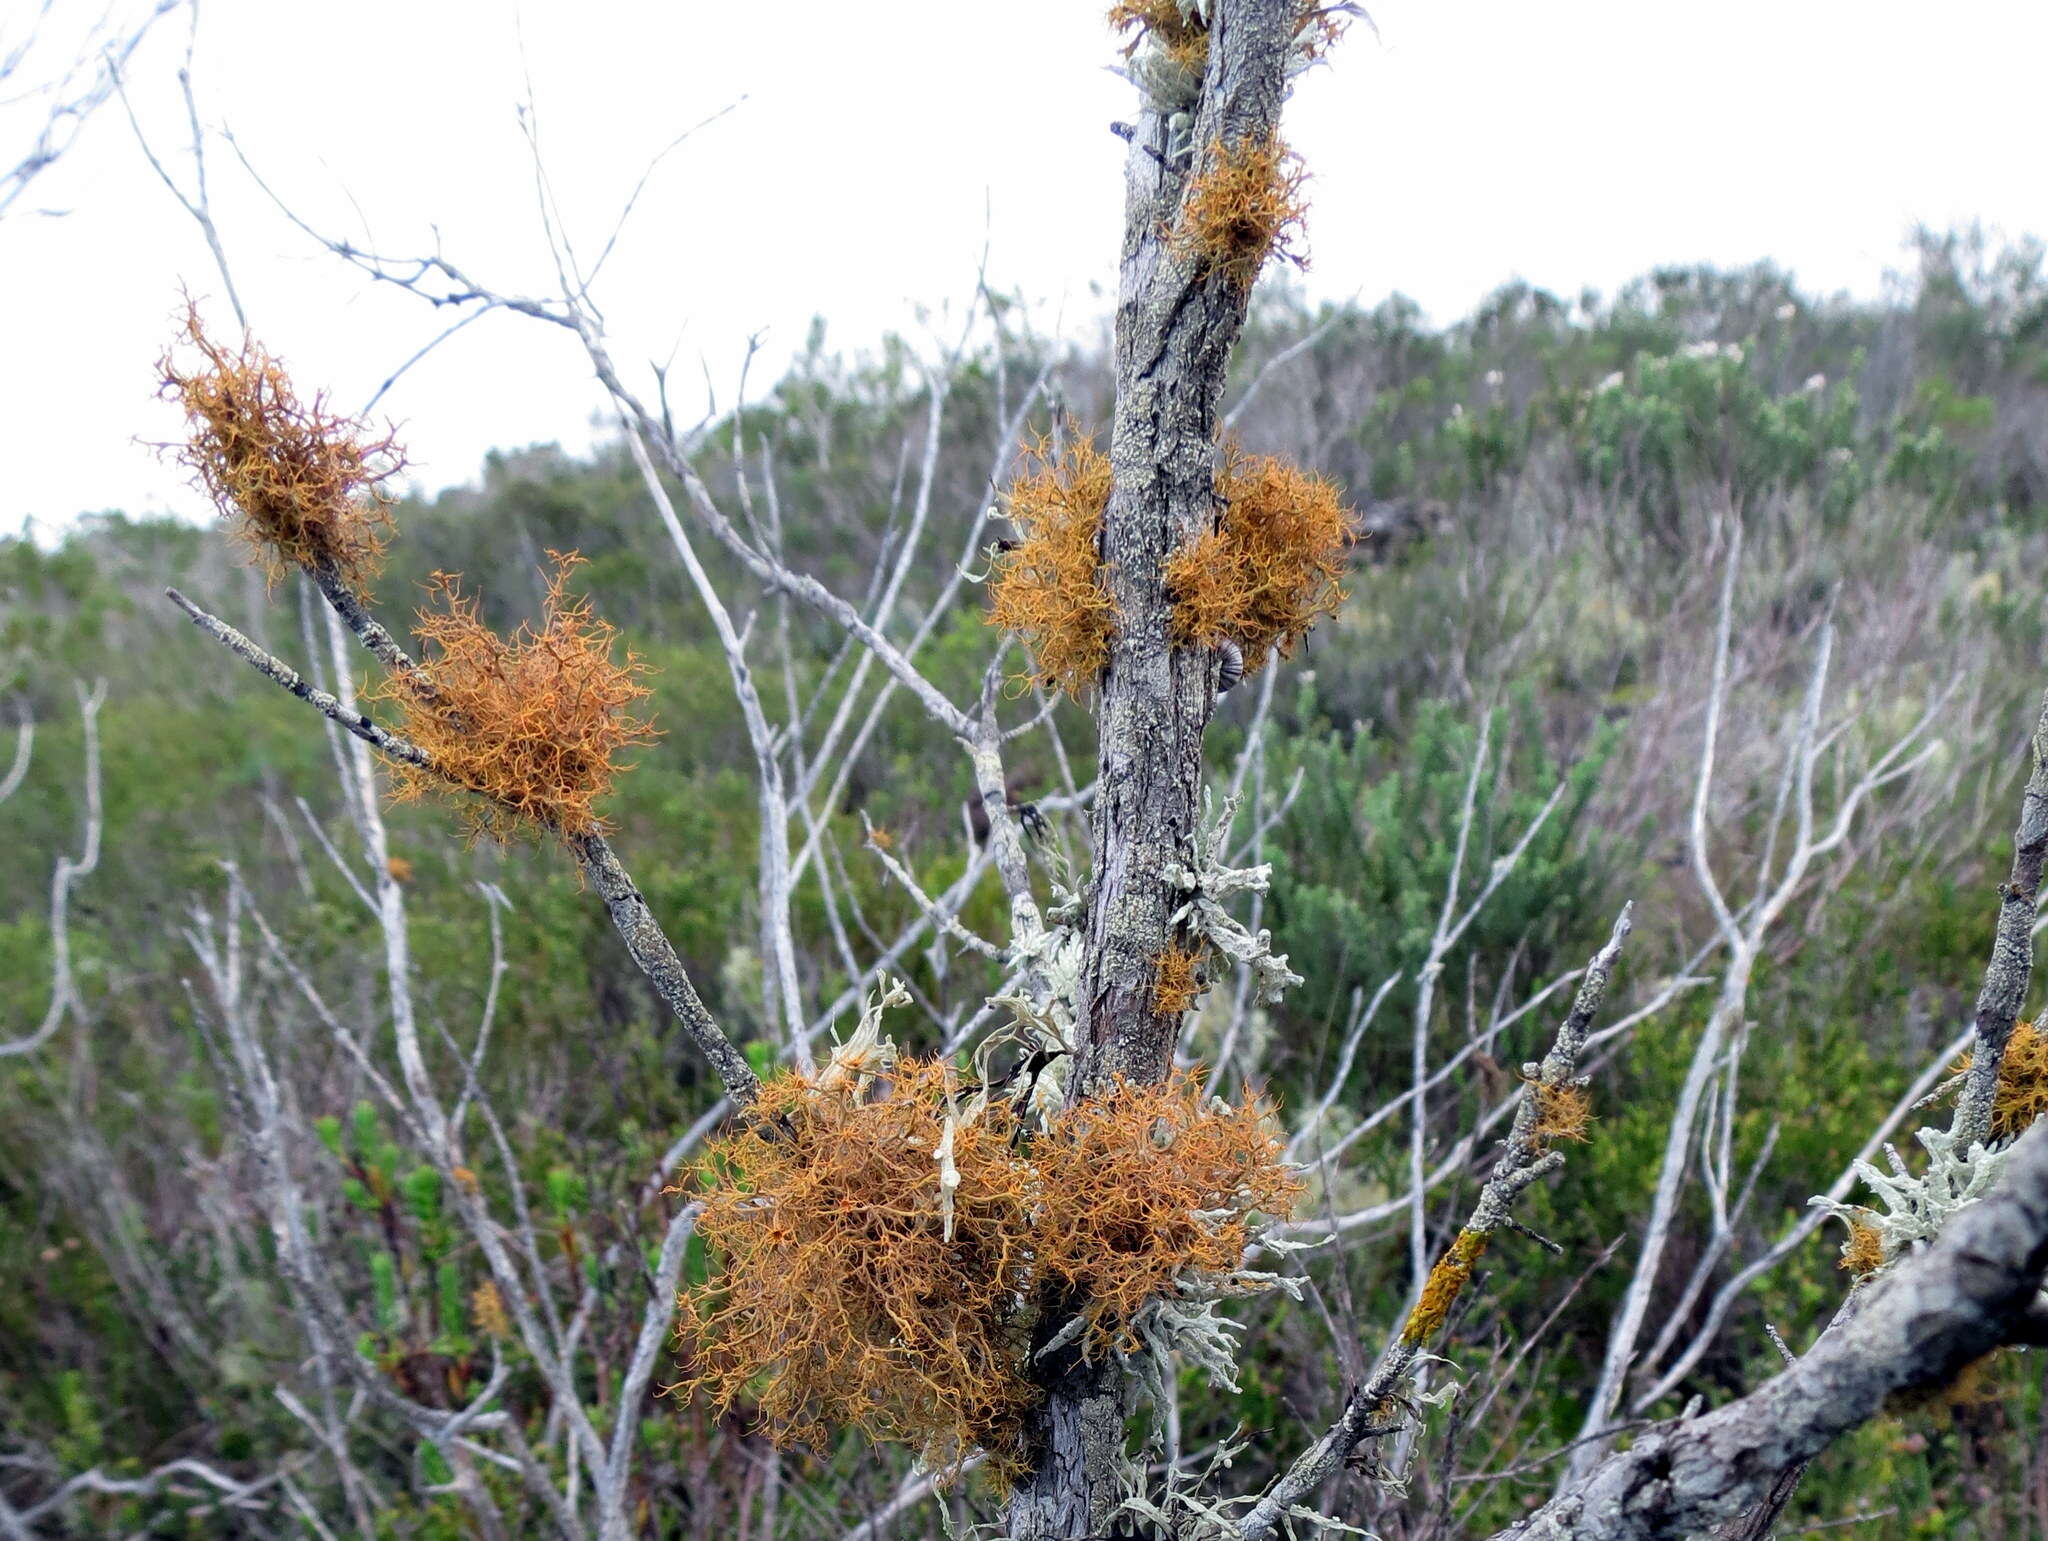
(1230, 665)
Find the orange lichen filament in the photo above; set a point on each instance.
(1184, 36)
(1176, 979)
(1160, 19)
(1146, 1183)
(531, 725)
(839, 1296)
(2021, 1094)
(1863, 1251)
(1243, 206)
(298, 486)
(1562, 1113)
(851, 1290)
(1269, 569)
(1048, 587)
(1445, 1283)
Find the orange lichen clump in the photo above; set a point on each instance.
(845, 1295)
(1270, 568)
(2021, 1093)
(1863, 1251)
(1181, 35)
(1048, 586)
(1445, 1283)
(1176, 979)
(1177, 26)
(1242, 206)
(531, 725)
(1146, 1183)
(885, 1246)
(1163, 19)
(299, 486)
(1562, 1113)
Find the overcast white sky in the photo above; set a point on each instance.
(878, 145)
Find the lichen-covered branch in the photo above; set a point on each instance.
(643, 936)
(1552, 1098)
(656, 955)
(281, 673)
(2012, 950)
(1178, 317)
(1975, 1288)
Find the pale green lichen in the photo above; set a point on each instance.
(1208, 882)
(1917, 1208)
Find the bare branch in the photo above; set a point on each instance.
(63, 986)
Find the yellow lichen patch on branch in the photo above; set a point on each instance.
(1048, 586)
(1176, 979)
(1243, 205)
(299, 486)
(532, 725)
(1270, 568)
(2021, 1094)
(839, 1297)
(1446, 1282)
(1145, 1184)
(1863, 1251)
(1562, 1113)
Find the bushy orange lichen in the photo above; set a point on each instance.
(1179, 30)
(1048, 586)
(1165, 20)
(2021, 1093)
(1562, 1113)
(840, 1297)
(1176, 979)
(1863, 1250)
(532, 725)
(1441, 1289)
(884, 1246)
(1145, 1184)
(1242, 206)
(1270, 568)
(299, 486)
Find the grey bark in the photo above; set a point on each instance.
(651, 949)
(1975, 1289)
(2012, 948)
(1176, 323)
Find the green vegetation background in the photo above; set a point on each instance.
(1543, 544)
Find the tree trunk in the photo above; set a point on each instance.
(1177, 321)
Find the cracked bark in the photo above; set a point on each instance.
(1975, 1288)
(2012, 948)
(1176, 323)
